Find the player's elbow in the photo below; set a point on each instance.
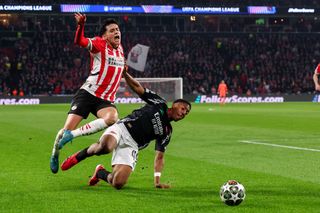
(159, 156)
(140, 90)
(82, 41)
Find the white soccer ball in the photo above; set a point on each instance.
(232, 193)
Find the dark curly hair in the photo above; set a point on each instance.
(105, 24)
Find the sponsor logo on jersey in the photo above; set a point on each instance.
(157, 126)
(114, 61)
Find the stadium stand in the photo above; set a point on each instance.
(37, 54)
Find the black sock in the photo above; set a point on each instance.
(82, 154)
(103, 174)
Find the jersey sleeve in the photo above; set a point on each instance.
(96, 44)
(151, 97)
(162, 143)
(317, 71)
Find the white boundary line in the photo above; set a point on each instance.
(282, 146)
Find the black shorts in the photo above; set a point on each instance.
(83, 103)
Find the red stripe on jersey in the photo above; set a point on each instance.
(102, 63)
(117, 53)
(106, 81)
(318, 68)
(110, 50)
(113, 89)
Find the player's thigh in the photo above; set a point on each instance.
(109, 114)
(72, 121)
(108, 142)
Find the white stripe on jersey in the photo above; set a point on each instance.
(113, 77)
(110, 85)
(115, 88)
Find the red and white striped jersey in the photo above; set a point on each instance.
(318, 69)
(106, 68)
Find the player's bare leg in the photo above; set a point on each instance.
(119, 176)
(71, 123)
(54, 159)
(106, 117)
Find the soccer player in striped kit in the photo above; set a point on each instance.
(98, 93)
(316, 78)
(131, 134)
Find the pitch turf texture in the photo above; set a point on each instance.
(205, 151)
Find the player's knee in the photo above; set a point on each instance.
(106, 144)
(111, 118)
(101, 150)
(119, 179)
(118, 184)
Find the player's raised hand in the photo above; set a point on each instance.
(80, 18)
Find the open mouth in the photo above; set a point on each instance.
(117, 37)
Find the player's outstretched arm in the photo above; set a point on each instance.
(316, 80)
(133, 84)
(79, 38)
(158, 166)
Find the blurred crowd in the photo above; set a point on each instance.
(260, 63)
(249, 63)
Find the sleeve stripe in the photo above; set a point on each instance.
(89, 47)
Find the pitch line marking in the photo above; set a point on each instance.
(282, 146)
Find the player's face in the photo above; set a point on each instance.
(113, 35)
(180, 110)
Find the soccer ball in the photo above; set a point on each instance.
(232, 193)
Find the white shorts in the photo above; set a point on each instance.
(127, 150)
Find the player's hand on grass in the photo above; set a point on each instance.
(162, 186)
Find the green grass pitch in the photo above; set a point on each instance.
(205, 151)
